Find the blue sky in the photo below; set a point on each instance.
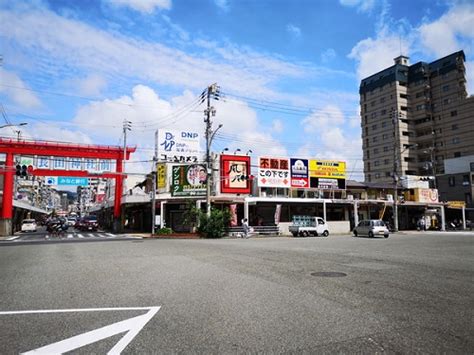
(289, 71)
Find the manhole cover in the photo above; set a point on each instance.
(328, 274)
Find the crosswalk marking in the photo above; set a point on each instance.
(91, 235)
(80, 235)
(110, 235)
(70, 236)
(14, 237)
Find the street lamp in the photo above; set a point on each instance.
(13, 125)
(249, 152)
(224, 150)
(237, 150)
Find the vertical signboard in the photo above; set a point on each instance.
(299, 173)
(161, 175)
(327, 174)
(188, 180)
(235, 171)
(274, 172)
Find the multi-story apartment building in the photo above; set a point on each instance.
(414, 117)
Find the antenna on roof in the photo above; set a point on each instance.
(400, 41)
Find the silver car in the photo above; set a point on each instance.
(371, 228)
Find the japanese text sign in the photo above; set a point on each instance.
(274, 172)
(235, 172)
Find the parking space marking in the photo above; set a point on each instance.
(131, 326)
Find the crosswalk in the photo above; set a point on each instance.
(83, 236)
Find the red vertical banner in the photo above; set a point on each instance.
(235, 172)
(233, 215)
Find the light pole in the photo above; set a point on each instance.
(15, 125)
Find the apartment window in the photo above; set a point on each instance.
(457, 154)
(454, 126)
(384, 136)
(445, 88)
(373, 115)
(455, 140)
(365, 107)
(369, 178)
(418, 94)
(446, 101)
(465, 180)
(366, 131)
(454, 113)
(367, 143)
(384, 124)
(471, 165)
(382, 100)
(374, 127)
(452, 181)
(376, 163)
(377, 176)
(365, 119)
(375, 139)
(388, 174)
(385, 149)
(368, 154)
(368, 166)
(383, 112)
(403, 96)
(386, 161)
(372, 103)
(376, 151)
(420, 107)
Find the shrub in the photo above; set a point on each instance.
(214, 226)
(164, 231)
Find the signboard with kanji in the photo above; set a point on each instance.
(274, 172)
(188, 180)
(235, 172)
(327, 174)
(161, 175)
(299, 173)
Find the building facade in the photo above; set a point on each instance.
(413, 117)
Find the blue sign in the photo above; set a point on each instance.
(73, 181)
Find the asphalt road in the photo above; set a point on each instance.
(407, 293)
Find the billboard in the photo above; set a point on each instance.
(426, 195)
(299, 173)
(161, 175)
(235, 171)
(189, 180)
(274, 172)
(327, 174)
(178, 146)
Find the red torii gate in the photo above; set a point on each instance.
(12, 147)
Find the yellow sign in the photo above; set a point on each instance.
(161, 175)
(327, 169)
(426, 195)
(456, 204)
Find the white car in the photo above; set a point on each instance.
(371, 228)
(28, 225)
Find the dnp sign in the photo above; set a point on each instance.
(178, 143)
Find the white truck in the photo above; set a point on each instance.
(305, 226)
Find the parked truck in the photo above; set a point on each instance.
(305, 226)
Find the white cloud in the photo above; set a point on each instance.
(144, 6)
(79, 46)
(222, 4)
(318, 121)
(91, 85)
(361, 5)
(328, 55)
(277, 126)
(451, 32)
(11, 85)
(293, 30)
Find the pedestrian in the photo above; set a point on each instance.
(246, 227)
(423, 224)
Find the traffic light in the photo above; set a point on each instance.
(24, 171)
(18, 170)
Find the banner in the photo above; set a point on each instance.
(277, 214)
(426, 195)
(235, 171)
(189, 180)
(299, 173)
(161, 175)
(233, 215)
(327, 174)
(274, 172)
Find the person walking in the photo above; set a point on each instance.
(246, 227)
(423, 224)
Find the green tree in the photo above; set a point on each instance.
(214, 226)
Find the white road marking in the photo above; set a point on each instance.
(110, 235)
(80, 235)
(70, 236)
(131, 326)
(13, 238)
(47, 236)
(91, 235)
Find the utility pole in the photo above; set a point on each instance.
(154, 176)
(396, 149)
(127, 126)
(212, 92)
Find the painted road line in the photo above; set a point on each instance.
(131, 326)
(70, 236)
(13, 238)
(91, 235)
(80, 235)
(47, 236)
(110, 235)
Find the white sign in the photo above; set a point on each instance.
(178, 146)
(274, 172)
(51, 180)
(131, 327)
